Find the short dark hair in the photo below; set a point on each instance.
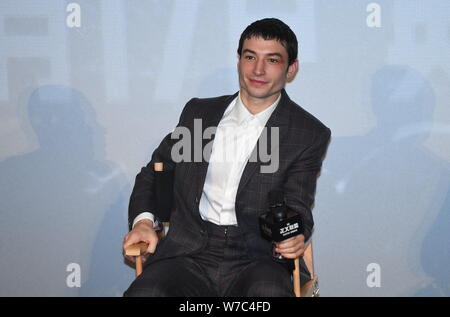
(272, 29)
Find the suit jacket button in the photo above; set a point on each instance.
(197, 200)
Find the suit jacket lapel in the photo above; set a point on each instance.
(279, 118)
(211, 118)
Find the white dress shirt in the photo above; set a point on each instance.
(236, 136)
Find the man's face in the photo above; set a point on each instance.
(263, 69)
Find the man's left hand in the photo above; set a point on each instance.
(292, 247)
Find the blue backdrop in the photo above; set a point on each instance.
(89, 88)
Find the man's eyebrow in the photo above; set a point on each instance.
(274, 54)
(268, 54)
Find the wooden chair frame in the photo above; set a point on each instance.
(309, 289)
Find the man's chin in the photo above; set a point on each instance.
(257, 92)
(261, 94)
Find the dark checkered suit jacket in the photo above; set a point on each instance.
(302, 146)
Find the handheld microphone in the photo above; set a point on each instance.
(279, 224)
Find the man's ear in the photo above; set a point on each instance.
(292, 70)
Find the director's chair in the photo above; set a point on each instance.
(309, 289)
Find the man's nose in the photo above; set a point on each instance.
(259, 68)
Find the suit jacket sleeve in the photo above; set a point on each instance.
(300, 186)
(142, 196)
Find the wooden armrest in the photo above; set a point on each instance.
(136, 249)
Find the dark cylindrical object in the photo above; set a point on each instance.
(163, 192)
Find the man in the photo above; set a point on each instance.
(214, 246)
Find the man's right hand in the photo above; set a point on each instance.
(142, 232)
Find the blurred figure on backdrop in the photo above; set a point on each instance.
(391, 184)
(58, 195)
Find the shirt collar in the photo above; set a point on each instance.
(241, 114)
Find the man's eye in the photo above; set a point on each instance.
(273, 60)
(249, 57)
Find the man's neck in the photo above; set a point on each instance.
(257, 105)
